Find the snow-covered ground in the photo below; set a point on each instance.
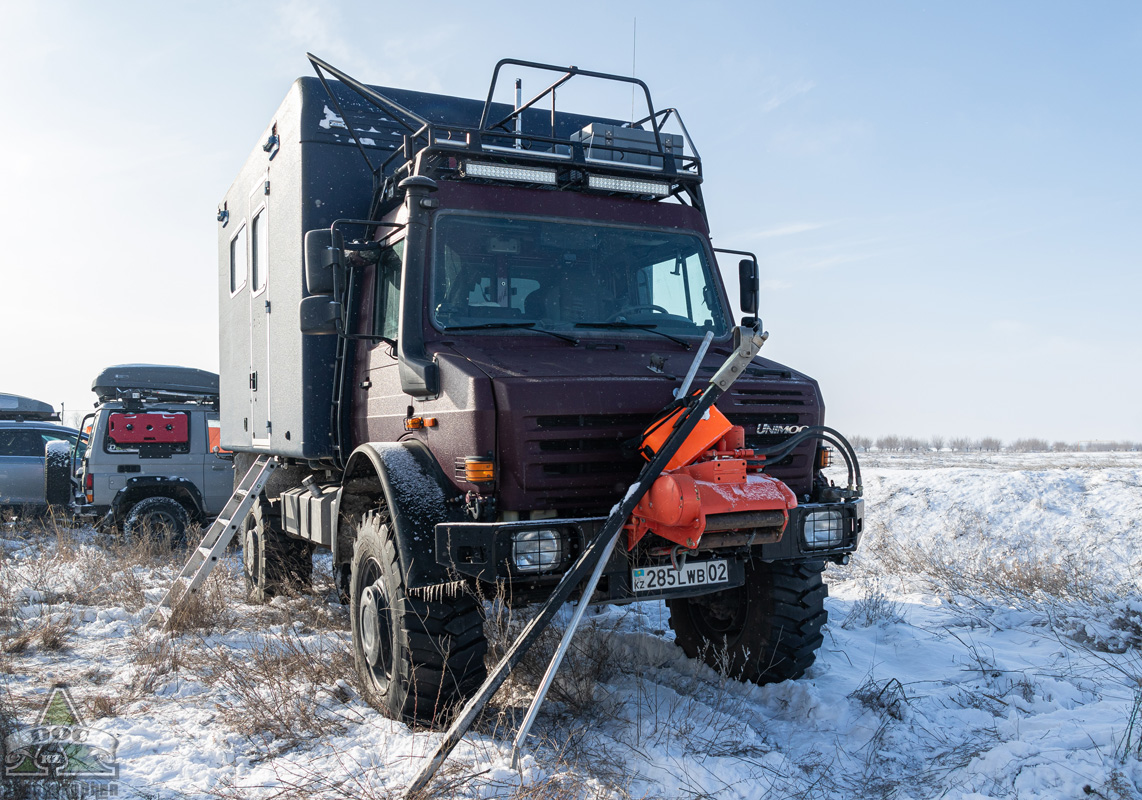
(983, 643)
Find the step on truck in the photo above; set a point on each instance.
(459, 326)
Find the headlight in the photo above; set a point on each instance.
(823, 530)
(538, 551)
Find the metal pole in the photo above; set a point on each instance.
(591, 555)
(587, 593)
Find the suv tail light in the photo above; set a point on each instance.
(89, 487)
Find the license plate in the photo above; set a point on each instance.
(698, 573)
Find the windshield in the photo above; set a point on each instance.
(557, 275)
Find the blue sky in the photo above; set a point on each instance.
(946, 197)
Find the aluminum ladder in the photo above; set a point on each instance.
(217, 538)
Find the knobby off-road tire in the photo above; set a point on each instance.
(271, 560)
(58, 489)
(157, 517)
(416, 659)
(765, 631)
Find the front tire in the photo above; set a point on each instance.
(271, 560)
(765, 631)
(155, 517)
(416, 659)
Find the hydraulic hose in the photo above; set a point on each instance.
(823, 433)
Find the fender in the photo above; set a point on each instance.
(158, 485)
(419, 496)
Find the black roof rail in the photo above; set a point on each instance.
(564, 148)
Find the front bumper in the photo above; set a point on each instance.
(484, 551)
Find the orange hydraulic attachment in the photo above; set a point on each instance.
(710, 475)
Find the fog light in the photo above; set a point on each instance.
(538, 551)
(823, 530)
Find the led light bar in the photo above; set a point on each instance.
(480, 169)
(632, 185)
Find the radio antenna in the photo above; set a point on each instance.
(633, 65)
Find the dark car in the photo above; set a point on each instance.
(26, 427)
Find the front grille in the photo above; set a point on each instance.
(579, 462)
(591, 420)
(769, 397)
(758, 408)
(576, 445)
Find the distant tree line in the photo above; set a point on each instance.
(987, 444)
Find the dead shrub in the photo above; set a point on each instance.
(884, 697)
(100, 706)
(278, 690)
(209, 609)
(873, 608)
(48, 633)
(590, 658)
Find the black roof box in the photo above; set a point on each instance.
(154, 379)
(13, 406)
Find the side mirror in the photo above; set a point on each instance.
(319, 314)
(750, 286)
(323, 255)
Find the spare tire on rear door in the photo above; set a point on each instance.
(57, 473)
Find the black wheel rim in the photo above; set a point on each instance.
(251, 558)
(374, 625)
(720, 616)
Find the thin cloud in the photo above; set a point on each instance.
(789, 229)
(785, 94)
(775, 231)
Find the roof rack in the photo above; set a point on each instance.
(524, 146)
(15, 408)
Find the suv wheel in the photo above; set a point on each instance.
(765, 631)
(271, 560)
(157, 517)
(416, 659)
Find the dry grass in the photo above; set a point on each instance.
(885, 697)
(282, 688)
(990, 571)
(211, 608)
(591, 657)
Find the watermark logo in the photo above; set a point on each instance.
(59, 756)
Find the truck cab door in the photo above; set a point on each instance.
(377, 385)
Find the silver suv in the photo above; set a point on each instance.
(26, 428)
(153, 457)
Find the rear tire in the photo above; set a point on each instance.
(157, 518)
(271, 560)
(765, 631)
(416, 659)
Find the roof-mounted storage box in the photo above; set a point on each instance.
(154, 379)
(631, 146)
(15, 407)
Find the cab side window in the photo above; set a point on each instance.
(386, 305)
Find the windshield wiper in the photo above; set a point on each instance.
(524, 326)
(636, 326)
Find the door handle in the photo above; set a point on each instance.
(219, 467)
